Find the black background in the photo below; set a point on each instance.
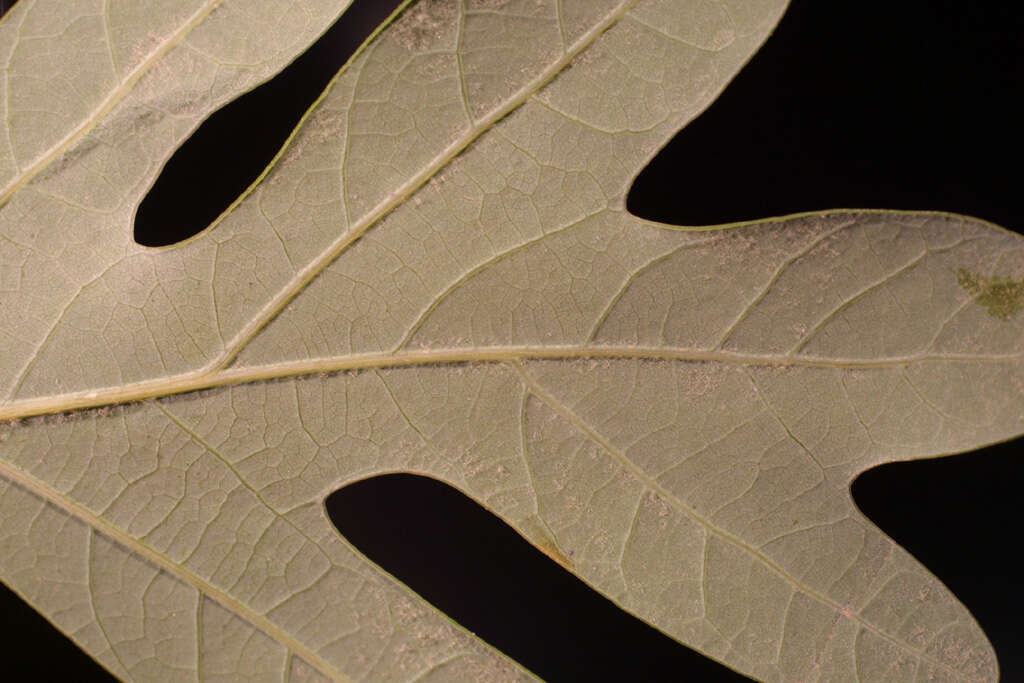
(905, 104)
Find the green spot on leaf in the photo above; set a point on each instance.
(1002, 296)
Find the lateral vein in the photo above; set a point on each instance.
(153, 556)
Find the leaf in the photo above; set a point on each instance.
(438, 275)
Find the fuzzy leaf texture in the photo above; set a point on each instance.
(439, 275)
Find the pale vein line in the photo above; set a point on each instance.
(874, 286)
(459, 66)
(783, 267)
(346, 141)
(562, 29)
(184, 383)
(37, 353)
(436, 667)
(494, 259)
(7, 77)
(525, 453)
(109, 36)
(90, 556)
(210, 448)
(570, 416)
(672, 38)
(945, 323)
(396, 198)
(770, 407)
(634, 276)
(401, 411)
(115, 96)
(161, 561)
(705, 552)
(928, 402)
(199, 636)
(630, 533)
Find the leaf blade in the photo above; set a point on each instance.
(419, 410)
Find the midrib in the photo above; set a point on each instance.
(195, 381)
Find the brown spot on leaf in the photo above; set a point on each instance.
(1003, 297)
(548, 547)
(536, 532)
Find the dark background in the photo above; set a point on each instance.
(900, 104)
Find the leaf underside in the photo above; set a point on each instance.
(438, 275)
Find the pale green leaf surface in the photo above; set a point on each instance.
(439, 276)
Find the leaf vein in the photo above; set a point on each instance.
(585, 429)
